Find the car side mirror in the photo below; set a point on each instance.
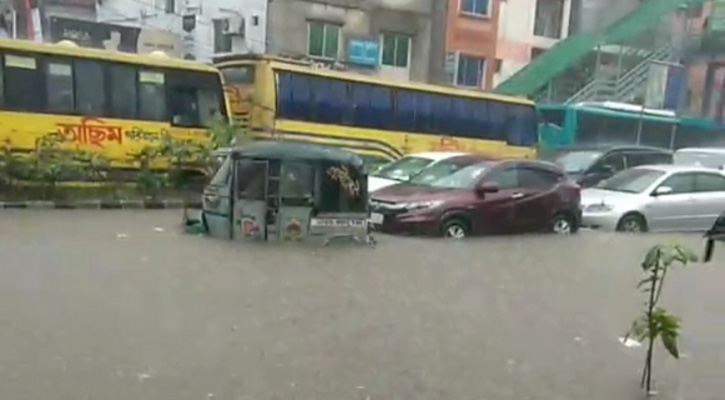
(606, 169)
(486, 187)
(662, 190)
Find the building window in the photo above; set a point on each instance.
(222, 41)
(323, 40)
(170, 6)
(549, 16)
(396, 50)
(470, 71)
(478, 7)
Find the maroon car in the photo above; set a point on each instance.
(489, 197)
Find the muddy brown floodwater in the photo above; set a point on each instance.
(121, 305)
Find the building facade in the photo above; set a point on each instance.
(393, 39)
(529, 27)
(526, 29)
(472, 30)
(201, 29)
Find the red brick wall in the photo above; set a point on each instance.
(474, 35)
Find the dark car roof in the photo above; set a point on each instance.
(525, 162)
(299, 151)
(606, 148)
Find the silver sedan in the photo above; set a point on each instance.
(656, 198)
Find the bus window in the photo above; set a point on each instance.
(405, 106)
(23, 83)
(123, 91)
(238, 75)
(423, 112)
(522, 126)
(285, 100)
(555, 117)
(331, 100)
(381, 106)
(152, 95)
(295, 97)
(194, 99)
(497, 118)
(90, 88)
(372, 106)
(589, 128)
(441, 112)
(210, 106)
(656, 134)
(59, 85)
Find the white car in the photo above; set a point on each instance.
(656, 198)
(701, 156)
(405, 168)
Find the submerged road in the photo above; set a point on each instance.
(110, 305)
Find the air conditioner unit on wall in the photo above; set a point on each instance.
(234, 26)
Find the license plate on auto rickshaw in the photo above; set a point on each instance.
(376, 218)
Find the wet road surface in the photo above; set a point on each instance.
(122, 305)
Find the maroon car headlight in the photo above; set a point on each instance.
(422, 205)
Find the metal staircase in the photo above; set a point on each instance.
(624, 88)
(609, 65)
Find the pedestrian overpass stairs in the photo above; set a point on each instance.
(608, 65)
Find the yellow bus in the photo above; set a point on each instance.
(290, 100)
(109, 103)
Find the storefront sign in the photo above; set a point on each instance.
(364, 52)
(150, 40)
(94, 34)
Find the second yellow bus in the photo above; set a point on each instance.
(382, 119)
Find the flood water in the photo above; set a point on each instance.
(122, 305)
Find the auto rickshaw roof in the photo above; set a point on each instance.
(299, 151)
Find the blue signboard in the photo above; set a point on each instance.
(364, 52)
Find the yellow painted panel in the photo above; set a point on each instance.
(117, 140)
(397, 142)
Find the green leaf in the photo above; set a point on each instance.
(639, 329)
(687, 254)
(670, 343)
(652, 257)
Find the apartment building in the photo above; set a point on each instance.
(527, 28)
(393, 39)
(472, 29)
(199, 29)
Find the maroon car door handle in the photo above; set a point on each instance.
(517, 195)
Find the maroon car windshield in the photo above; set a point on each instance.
(463, 178)
(441, 169)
